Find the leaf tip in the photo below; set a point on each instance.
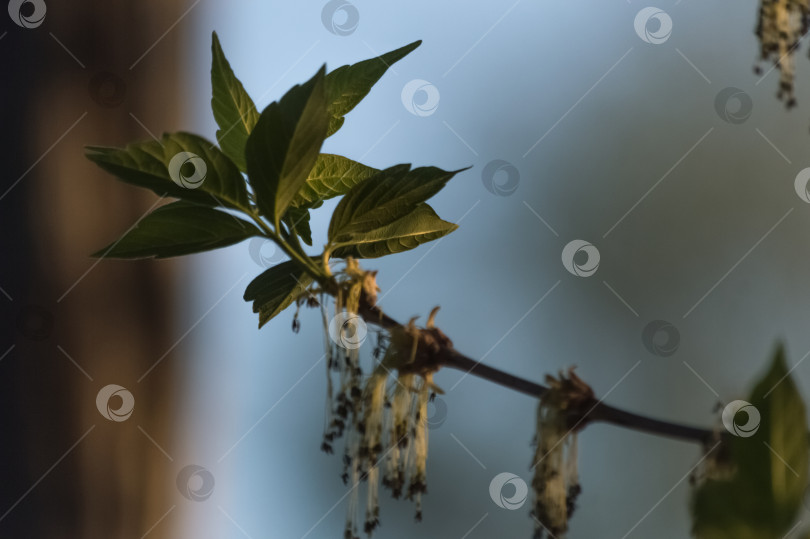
(412, 46)
(779, 357)
(216, 46)
(90, 152)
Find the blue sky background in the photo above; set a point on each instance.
(614, 117)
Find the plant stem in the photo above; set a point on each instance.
(599, 411)
(296, 244)
(305, 262)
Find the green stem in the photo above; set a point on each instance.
(300, 249)
(297, 244)
(325, 260)
(305, 261)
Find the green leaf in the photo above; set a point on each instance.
(763, 495)
(179, 228)
(147, 164)
(331, 176)
(418, 227)
(384, 198)
(276, 288)
(298, 221)
(347, 85)
(284, 145)
(234, 111)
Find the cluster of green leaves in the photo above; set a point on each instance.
(762, 493)
(268, 173)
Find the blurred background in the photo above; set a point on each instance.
(658, 146)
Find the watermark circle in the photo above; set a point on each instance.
(33, 18)
(500, 177)
(800, 184)
(188, 170)
(107, 89)
(516, 500)
(584, 268)
(195, 483)
(340, 17)
(437, 413)
(730, 416)
(265, 253)
(733, 105)
(661, 338)
(35, 322)
(348, 330)
(125, 408)
(648, 18)
(420, 98)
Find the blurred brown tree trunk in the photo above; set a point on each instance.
(90, 74)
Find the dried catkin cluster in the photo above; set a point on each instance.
(556, 479)
(382, 417)
(781, 25)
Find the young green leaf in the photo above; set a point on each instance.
(384, 198)
(181, 165)
(179, 228)
(418, 227)
(297, 219)
(276, 288)
(347, 85)
(331, 176)
(764, 494)
(234, 111)
(284, 145)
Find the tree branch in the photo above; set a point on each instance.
(598, 411)
(446, 355)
